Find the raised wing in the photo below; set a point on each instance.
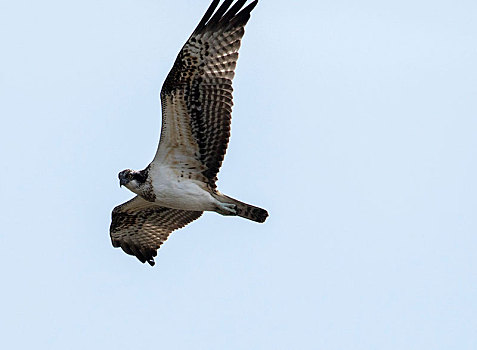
(139, 227)
(196, 97)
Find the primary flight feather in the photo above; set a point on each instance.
(196, 98)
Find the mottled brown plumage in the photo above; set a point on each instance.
(200, 85)
(140, 227)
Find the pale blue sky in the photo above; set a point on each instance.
(355, 126)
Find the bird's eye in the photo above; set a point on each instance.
(130, 177)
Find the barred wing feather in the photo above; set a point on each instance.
(196, 97)
(140, 227)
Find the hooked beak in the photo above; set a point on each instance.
(122, 182)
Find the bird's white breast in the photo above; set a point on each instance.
(180, 193)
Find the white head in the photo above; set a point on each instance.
(133, 180)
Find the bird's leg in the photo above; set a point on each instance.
(226, 209)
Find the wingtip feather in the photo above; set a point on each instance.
(207, 15)
(225, 14)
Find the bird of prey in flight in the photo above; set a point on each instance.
(196, 99)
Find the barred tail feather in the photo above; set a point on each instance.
(244, 210)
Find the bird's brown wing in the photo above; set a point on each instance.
(196, 96)
(140, 227)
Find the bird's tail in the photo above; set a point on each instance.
(243, 210)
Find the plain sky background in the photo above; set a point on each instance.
(354, 124)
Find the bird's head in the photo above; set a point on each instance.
(133, 180)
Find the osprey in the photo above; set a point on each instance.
(196, 99)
